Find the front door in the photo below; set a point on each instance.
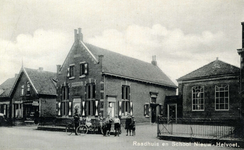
(153, 113)
(111, 109)
(111, 106)
(172, 113)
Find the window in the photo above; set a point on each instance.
(222, 97)
(28, 88)
(22, 90)
(90, 96)
(146, 110)
(64, 92)
(125, 108)
(90, 108)
(64, 101)
(125, 92)
(18, 110)
(83, 69)
(91, 91)
(71, 71)
(198, 98)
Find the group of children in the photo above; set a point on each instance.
(129, 126)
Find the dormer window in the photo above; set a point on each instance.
(83, 69)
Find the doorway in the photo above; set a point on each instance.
(111, 106)
(172, 113)
(153, 113)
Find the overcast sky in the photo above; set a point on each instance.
(183, 34)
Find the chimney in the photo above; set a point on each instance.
(154, 61)
(40, 69)
(75, 34)
(78, 35)
(58, 68)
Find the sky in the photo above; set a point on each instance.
(183, 34)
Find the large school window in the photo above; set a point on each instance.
(65, 109)
(221, 97)
(126, 107)
(198, 98)
(90, 96)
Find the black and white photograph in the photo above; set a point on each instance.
(121, 74)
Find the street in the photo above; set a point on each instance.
(29, 138)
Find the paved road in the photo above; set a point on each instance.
(28, 138)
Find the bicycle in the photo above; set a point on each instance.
(70, 128)
(89, 126)
(83, 128)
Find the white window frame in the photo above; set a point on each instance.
(224, 96)
(200, 96)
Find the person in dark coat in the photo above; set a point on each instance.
(127, 124)
(133, 126)
(116, 126)
(76, 120)
(36, 117)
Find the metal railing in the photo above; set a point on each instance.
(200, 128)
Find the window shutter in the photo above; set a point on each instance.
(86, 68)
(146, 110)
(59, 109)
(96, 108)
(70, 108)
(131, 108)
(119, 108)
(68, 73)
(83, 108)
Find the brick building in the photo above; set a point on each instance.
(97, 80)
(211, 91)
(5, 97)
(33, 90)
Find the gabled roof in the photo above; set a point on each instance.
(5, 87)
(42, 81)
(216, 68)
(123, 66)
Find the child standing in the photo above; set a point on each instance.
(133, 126)
(116, 126)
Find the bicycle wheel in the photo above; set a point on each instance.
(82, 130)
(69, 129)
